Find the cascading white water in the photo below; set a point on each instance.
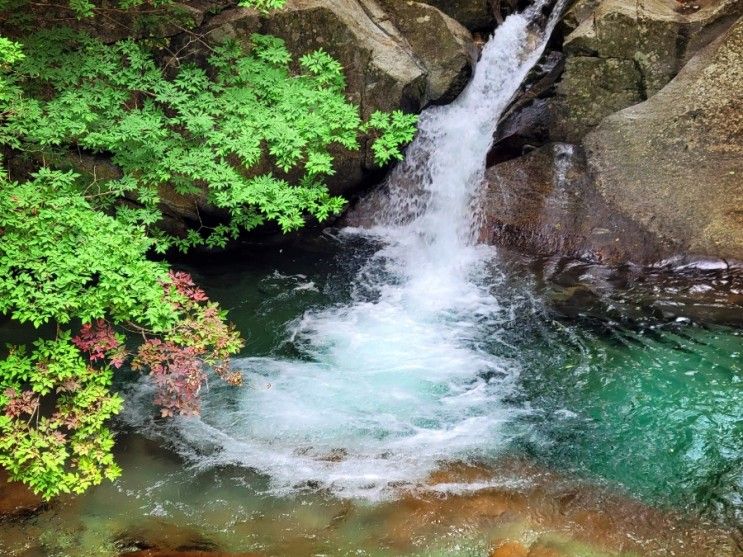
(396, 382)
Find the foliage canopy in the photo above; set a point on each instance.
(247, 131)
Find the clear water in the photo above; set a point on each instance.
(412, 394)
(607, 440)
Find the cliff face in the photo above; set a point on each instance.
(649, 106)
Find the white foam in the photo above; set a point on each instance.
(396, 382)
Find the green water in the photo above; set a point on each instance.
(659, 411)
(620, 412)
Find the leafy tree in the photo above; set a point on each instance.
(87, 8)
(64, 262)
(198, 128)
(74, 248)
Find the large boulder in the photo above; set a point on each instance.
(443, 46)
(395, 54)
(544, 203)
(662, 179)
(620, 53)
(675, 162)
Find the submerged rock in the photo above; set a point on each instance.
(175, 553)
(16, 499)
(510, 549)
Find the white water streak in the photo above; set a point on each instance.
(396, 382)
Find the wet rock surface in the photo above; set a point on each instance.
(545, 203)
(656, 178)
(440, 43)
(681, 291)
(175, 553)
(16, 500)
(616, 54)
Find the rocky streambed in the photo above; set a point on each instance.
(412, 390)
(616, 408)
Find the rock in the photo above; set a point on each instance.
(168, 553)
(445, 48)
(621, 52)
(527, 120)
(545, 203)
(578, 12)
(592, 88)
(509, 549)
(476, 15)
(654, 34)
(638, 295)
(663, 178)
(16, 499)
(674, 163)
(395, 54)
(543, 551)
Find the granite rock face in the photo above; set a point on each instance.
(648, 96)
(675, 162)
(621, 53)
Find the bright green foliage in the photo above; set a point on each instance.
(263, 5)
(66, 450)
(10, 52)
(74, 248)
(197, 130)
(62, 260)
(87, 8)
(395, 130)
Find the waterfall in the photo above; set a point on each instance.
(400, 379)
(432, 208)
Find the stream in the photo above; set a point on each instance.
(410, 392)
